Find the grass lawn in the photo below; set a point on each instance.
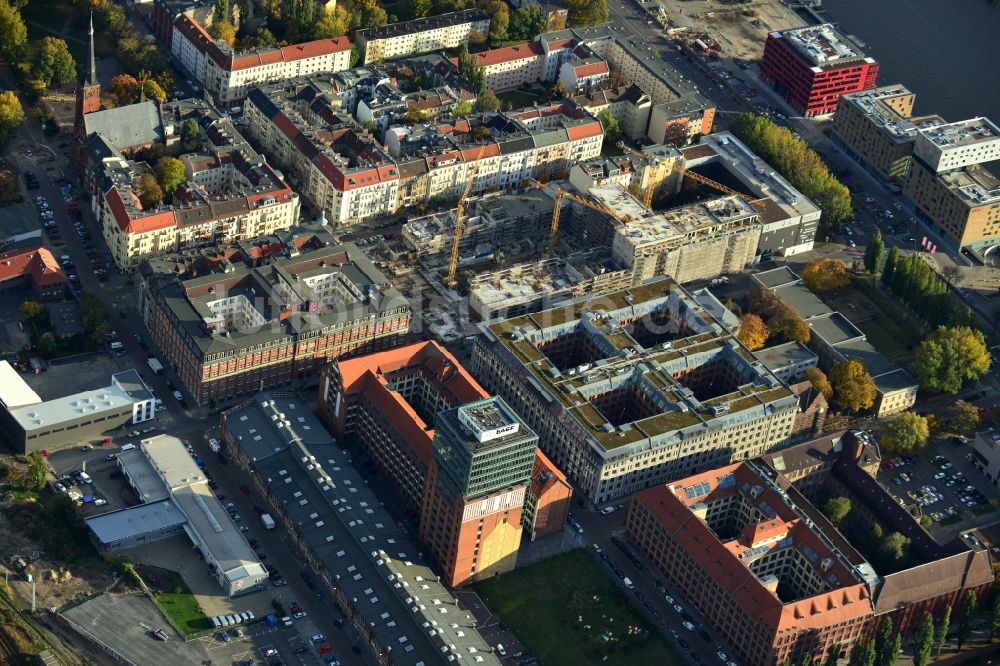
(175, 599)
(518, 98)
(565, 609)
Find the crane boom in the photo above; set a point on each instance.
(459, 213)
(563, 194)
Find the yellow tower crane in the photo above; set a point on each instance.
(563, 194)
(459, 212)
(647, 197)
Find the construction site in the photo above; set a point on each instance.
(697, 214)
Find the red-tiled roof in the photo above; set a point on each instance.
(38, 262)
(591, 69)
(510, 53)
(366, 374)
(585, 131)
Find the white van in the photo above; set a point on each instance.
(500, 650)
(629, 584)
(244, 617)
(128, 447)
(216, 623)
(224, 620)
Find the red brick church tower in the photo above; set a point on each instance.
(89, 93)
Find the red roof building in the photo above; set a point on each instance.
(753, 563)
(546, 506)
(35, 269)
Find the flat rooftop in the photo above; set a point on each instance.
(776, 277)
(361, 547)
(974, 185)
(962, 133)
(131, 382)
(423, 24)
(834, 328)
(14, 391)
(206, 515)
(781, 356)
(873, 104)
(822, 45)
(44, 415)
(613, 361)
(134, 521)
(803, 300)
(147, 483)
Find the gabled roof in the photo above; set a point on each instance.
(127, 126)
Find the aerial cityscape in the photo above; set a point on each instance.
(501, 332)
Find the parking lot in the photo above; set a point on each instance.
(92, 472)
(946, 487)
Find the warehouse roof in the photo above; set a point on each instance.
(14, 391)
(135, 521)
(345, 525)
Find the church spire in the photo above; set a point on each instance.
(92, 72)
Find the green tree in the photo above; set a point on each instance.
(874, 252)
(462, 109)
(11, 114)
(412, 9)
(46, 343)
(246, 11)
(807, 660)
(853, 388)
(949, 357)
(355, 56)
(894, 548)
(942, 630)
(526, 22)
(52, 63)
(907, 433)
(368, 14)
(960, 418)
(556, 91)
(332, 24)
(499, 25)
(884, 643)
(586, 13)
(836, 509)
(970, 605)
(190, 135)
(863, 653)
(820, 382)
(170, 174)
(37, 469)
(612, 129)
(221, 9)
(923, 642)
(31, 309)
(223, 29)
(13, 32)
(414, 116)
(890, 265)
(793, 159)
(150, 193)
(488, 102)
(833, 656)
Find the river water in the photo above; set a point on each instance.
(946, 51)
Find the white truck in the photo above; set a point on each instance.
(154, 365)
(214, 445)
(267, 521)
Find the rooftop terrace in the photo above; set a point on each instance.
(822, 45)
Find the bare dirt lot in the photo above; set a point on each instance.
(740, 29)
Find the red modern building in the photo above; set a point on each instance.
(812, 67)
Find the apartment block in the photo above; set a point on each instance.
(812, 67)
(422, 35)
(230, 191)
(241, 318)
(229, 75)
(628, 104)
(634, 388)
(483, 460)
(510, 67)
